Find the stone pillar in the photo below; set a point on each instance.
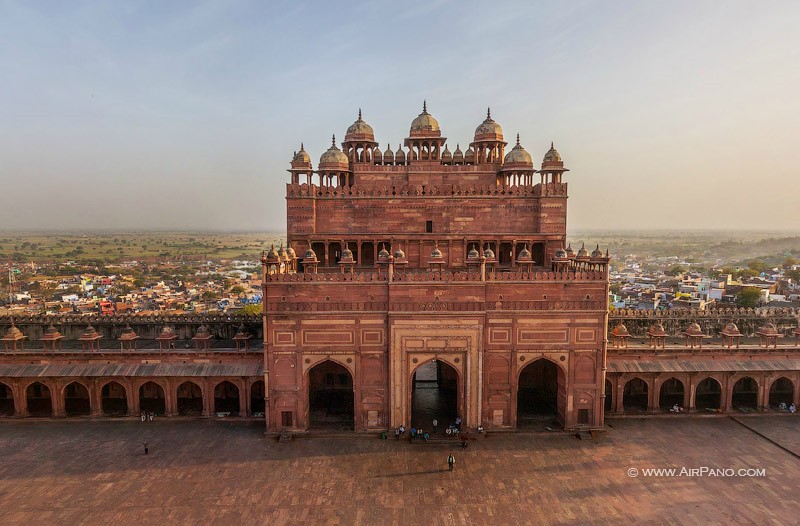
(727, 394)
(170, 398)
(248, 410)
(57, 400)
(620, 394)
(763, 394)
(95, 398)
(20, 400)
(130, 398)
(688, 398)
(134, 399)
(655, 396)
(243, 398)
(208, 398)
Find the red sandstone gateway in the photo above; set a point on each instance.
(432, 285)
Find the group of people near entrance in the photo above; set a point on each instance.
(792, 409)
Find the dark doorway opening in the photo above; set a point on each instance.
(434, 394)
(6, 400)
(151, 398)
(537, 252)
(319, 250)
(537, 394)
(671, 394)
(226, 398)
(334, 254)
(190, 399)
(708, 395)
(39, 402)
(781, 392)
(609, 400)
(504, 255)
(114, 399)
(745, 394)
(367, 254)
(258, 397)
(330, 397)
(634, 395)
(76, 400)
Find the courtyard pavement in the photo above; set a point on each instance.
(228, 472)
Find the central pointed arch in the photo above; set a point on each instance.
(671, 394)
(435, 394)
(539, 394)
(226, 398)
(331, 397)
(151, 398)
(190, 399)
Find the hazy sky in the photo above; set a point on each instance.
(159, 114)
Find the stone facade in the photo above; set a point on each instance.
(427, 255)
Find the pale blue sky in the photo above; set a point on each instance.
(158, 114)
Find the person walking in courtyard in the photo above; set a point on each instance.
(435, 425)
(451, 462)
(397, 434)
(146, 449)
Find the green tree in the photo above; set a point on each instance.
(237, 289)
(757, 265)
(789, 262)
(249, 310)
(748, 297)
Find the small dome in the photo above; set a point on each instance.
(383, 255)
(388, 155)
(400, 155)
(166, 331)
(89, 331)
(310, 256)
(282, 254)
(359, 131)
(301, 158)
(347, 254)
(241, 332)
(128, 330)
(524, 254)
(469, 157)
(694, 330)
(552, 155)
(657, 329)
(473, 253)
(51, 331)
(561, 254)
(620, 330)
(458, 155)
(446, 155)
(334, 158)
(13, 333)
(377, 155)
(583, 253)
(488, 254)
(519, 156)
(731, 328)
(596, 252)
(399, 254)
(424, 125)
(272, 255)
(488, 129)
(570, 252)
(436, 253)
(291, 253)
(202, 330)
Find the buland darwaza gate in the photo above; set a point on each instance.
(424, 268)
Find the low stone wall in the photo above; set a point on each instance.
(146, 326)
(712, 321)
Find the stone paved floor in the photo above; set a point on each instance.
(226, 472)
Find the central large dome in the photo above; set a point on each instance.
(424, 125)
(359, 130)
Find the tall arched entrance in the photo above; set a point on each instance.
(6, 400)
(434, 394)
(151, 398)
(745, 394)
(190, 399)
(671, 394)
(708, 395)
(780, 392)
(226, 398)
(634, 395)
(76, 400)
(114, 399)
(38, 398)
(331, 399)
(537, 394)
(258, 398)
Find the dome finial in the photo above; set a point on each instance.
(302, 147)
(518, 139)
(333, 141)
(551, 145)
(424, 106)
(359, 113)
(488, 113)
